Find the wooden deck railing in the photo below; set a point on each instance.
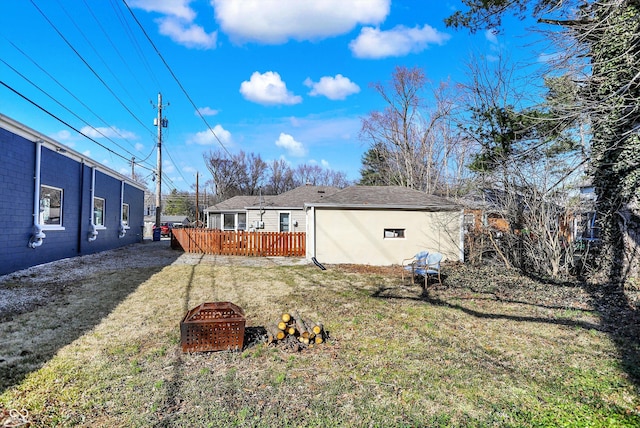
(240, 243)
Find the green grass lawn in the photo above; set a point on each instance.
(489, 348)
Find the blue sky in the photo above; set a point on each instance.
(280, 78)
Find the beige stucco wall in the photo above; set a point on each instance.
(357, 236)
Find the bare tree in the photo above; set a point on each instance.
(281, 178)
(408, 135)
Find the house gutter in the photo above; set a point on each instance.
(38, 235)
(93, 233)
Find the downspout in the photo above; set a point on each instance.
(37, 235)
(93, 234)
(122, 231)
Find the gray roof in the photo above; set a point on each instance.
(238, 203)
(295, 198)
(397, 197)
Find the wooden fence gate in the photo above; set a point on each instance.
(239, 243)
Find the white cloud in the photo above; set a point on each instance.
(63, 135)
(293, 147)
(104, 132)
(375, 43)
(268, 88)
(177, 22)
(177, 8)
(207, 111)
(491, 36)
(206, 138)
(139, 147)
(187, 34)
(334, 88)
(252, 20)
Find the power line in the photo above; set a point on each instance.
(176, 78)
(89, 67)
(64, 107)
(64, 88)
(64, 122)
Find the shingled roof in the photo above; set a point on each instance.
(385, 197)
(295, 198)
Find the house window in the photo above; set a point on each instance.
(125, 215)
(50, 206)
(242, 221)
(394, 233)
(284, 222)
(98, 211)
(229, 221)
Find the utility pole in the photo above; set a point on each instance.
(133, 168)
(160, 122)
(197, 201)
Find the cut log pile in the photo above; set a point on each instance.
(293, 329)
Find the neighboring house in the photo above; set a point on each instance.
(382, 225)
(271, 213)
(56, 203)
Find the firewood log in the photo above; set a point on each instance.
(286, 317)
(282, 325)
(274, 334)
(318, 328)
(303, 330)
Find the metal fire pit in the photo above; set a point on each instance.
(213, 326)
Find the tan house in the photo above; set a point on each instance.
(382, 225)
(268, 213)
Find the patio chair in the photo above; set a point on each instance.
(414, 264)
(431, 268)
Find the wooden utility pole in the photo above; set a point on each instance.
(160, 122)
(197, 202)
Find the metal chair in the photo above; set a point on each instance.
(413, 264)
(431, 268)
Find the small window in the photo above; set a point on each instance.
(50, 206)
(284, 222)
(98, 211)
(229, 221)
(242, 221)
(125, 215)
(394, 233)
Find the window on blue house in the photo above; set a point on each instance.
(125, 215)
(98, 211)
(50, 206)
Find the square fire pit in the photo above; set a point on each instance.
(213, 326)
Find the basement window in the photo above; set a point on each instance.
(393, 233)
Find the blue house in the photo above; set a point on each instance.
(56, 203)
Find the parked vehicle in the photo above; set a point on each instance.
(165, 229)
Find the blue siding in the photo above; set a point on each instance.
(17, 187)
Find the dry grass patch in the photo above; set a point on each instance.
(488, 349)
